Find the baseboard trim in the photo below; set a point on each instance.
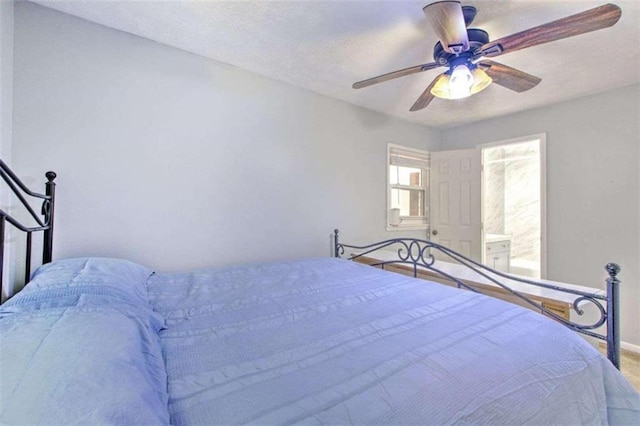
(630, 347)
(625, 349)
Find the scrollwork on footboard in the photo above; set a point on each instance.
(419, 255)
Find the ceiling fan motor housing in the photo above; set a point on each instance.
(477, 38)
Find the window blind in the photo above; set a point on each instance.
(407, 158)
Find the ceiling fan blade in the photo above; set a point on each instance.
(580, 23)
(395, 74)
(426, 97)
(447, 20)
(508, 77)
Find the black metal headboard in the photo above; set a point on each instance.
(43, 221)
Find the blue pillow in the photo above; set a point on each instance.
(118, 278)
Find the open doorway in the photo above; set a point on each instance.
(514, 206)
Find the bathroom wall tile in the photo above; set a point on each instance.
(512, 202)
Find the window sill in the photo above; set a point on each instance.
(408, 228)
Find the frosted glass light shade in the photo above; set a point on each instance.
(480, 81)
(441, 88)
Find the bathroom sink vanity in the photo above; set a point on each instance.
(497, 249)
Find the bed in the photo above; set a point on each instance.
(307, 341)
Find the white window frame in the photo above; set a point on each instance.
(408, 223)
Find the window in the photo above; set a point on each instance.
(407, 188)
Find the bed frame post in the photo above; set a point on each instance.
(47, 211)
(613, 323)
(335, 243)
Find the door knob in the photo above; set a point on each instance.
(434, 232)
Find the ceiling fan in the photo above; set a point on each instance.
(462, 50)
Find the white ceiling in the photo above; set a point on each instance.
(325, 46)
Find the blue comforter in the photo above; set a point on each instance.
(80, 346)
(316, 341)
(327, 341)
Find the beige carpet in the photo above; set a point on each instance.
(629, 365)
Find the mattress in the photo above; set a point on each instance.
(328, 341)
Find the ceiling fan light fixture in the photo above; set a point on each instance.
(461, 83)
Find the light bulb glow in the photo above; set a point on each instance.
(460, 82)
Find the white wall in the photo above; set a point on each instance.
(592, 187)
(6, 109)
(6, 79)
(177, 161)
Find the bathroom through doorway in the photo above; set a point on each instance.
(514, 206)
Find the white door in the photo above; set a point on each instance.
(455, 201)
